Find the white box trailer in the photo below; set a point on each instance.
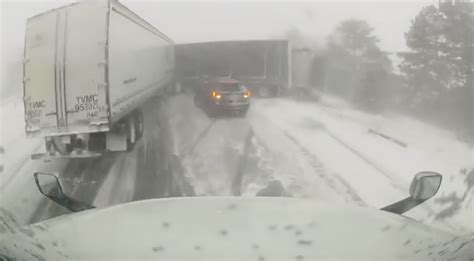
(87, 68)
(301, 64)
(264, 66)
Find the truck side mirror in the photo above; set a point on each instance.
(424, 186)
(48, 184)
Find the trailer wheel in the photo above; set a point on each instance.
(131, 133)
(139, 124)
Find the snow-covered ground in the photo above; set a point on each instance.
(379, 170)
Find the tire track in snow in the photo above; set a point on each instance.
(362, 156)
(184, 182)
(365, 159)
(212, 160)
(159, 170)
(257, 169)
(302, 173)
(237, 182)
(201, 136)
(319, 169)
(174, 170)
(208, 149)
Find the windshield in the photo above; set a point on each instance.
(340, 103)
(231, 87)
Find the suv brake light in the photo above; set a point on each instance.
(247, 94)
(216, 95)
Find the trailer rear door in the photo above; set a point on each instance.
(40, 73)
(86, 63)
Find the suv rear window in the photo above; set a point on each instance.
(231, 87)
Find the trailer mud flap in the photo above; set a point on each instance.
(47, 155)
(116, 141)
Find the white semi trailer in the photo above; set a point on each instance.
(87, 69)
(264, 66)
(301, 64)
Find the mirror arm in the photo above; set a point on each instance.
(62, 199)
(71, 204)
(403, 205)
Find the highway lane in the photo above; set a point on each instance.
(182, 153)
(210, 149)
(185, 153)
(154, 173)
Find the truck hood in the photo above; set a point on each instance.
(233, 229)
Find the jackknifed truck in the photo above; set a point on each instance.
(87, 69)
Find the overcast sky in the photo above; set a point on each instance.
(227, 20)
(196, 21)
(224, 20)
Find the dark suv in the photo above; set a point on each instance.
(222, 95)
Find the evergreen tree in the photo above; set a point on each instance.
(439, 66)
(357, 67)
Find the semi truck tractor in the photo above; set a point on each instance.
(87, 69)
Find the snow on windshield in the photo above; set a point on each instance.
(230, 87)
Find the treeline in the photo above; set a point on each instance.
(433, 80)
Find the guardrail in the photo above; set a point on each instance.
(396, 141)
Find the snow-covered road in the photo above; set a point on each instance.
(315, 150)
(367, 168)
